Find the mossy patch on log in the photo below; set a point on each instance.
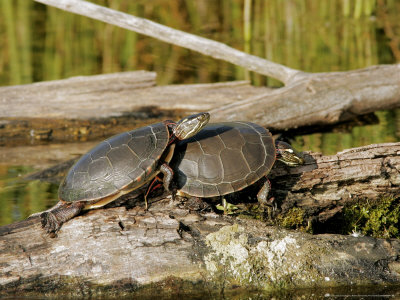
(379, 218)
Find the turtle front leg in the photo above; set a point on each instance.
(61, 213)
(168, 175)
(263, 194)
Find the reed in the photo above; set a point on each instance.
(247, 36)
(24, 39)
(13, 54)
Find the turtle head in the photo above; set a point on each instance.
(189, 126)
(286, 154)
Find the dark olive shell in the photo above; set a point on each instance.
(223, 158)
(122, 162)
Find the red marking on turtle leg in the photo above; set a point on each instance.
(172, 139)
(151, 188)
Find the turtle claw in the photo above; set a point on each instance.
(272, 203)
(53, 218)
(50, 222)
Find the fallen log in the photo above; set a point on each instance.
(75, 108)
(118, 250)
(115, 251)
(90, 107)
(320, 99)
(116, 94)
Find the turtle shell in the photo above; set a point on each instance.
(122, 162)
(223, 158)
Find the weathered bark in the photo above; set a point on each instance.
(89, 107)
(114, 251)
(326, 183)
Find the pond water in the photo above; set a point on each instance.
(375, 292)
(41, 43)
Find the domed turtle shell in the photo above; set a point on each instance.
(223, 158)
(117, 165)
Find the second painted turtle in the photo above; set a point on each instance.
(227, 157)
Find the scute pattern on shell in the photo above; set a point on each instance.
(123, 161)
(223, 158)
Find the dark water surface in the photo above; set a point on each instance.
(346, 292)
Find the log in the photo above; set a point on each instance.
(320, 99)
(115, 251)
(73, 109)
(324, 184)
(92, 107)
(115, 94)
(119, 250)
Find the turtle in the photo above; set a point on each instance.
(119, 165)
(227, 157)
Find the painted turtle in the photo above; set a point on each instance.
(226, 157)
(119, 165)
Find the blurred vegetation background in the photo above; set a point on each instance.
(43, 43)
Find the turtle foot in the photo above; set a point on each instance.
(50, 222)
(271, 203)
(54, 218)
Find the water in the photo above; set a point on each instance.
(387, 130)
(376, 292)
(20, 198)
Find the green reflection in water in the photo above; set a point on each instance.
(44, 43)
(20, 198)
(387, 131)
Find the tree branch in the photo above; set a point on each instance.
(199, 44)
